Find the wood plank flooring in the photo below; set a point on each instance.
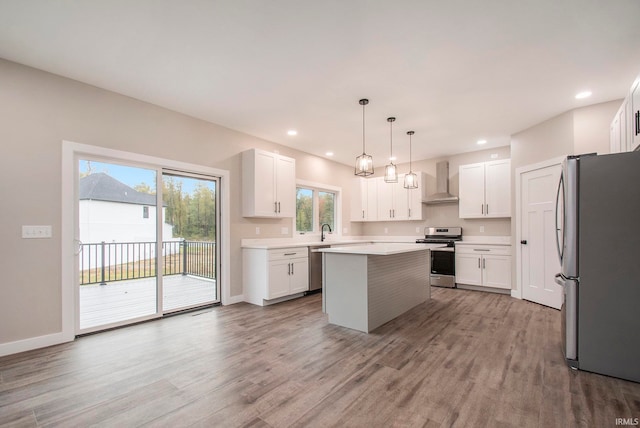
(464, 358)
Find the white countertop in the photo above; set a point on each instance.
(380, 249)
(269, 244)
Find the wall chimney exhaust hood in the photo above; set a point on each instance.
(442, 195)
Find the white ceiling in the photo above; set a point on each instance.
(453, 71)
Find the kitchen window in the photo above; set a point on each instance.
(316, 204)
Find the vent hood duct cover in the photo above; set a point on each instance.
(442, 195)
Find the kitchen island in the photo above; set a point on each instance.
(365, 286)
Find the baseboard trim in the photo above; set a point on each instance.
(32, 343)
(234, 299)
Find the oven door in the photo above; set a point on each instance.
(443, 267)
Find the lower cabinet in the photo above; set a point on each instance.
(484, 265)
(270, 276)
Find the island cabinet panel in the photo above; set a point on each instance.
(364, 291)
(268, 184)
(270, 276)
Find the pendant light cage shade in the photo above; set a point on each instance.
(410, 179)
(364, 165)
(364, 162)
(390, 171)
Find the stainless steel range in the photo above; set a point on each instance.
(443, 260)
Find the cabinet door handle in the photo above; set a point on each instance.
(389, 213)
(362, 213)
(288, 268)
(487, 209)
(290, 254)
(275, 207)
(478, 262)
(480, 249)
(409, 212)
(279, 210)
(291, 268)
(484, 263)
(482, 208)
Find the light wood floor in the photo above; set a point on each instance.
(465, 358)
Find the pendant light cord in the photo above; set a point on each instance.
(363, 150)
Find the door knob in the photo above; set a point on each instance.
(523, 242)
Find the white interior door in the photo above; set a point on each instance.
(539, 260)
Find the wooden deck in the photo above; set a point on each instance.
(123, 300)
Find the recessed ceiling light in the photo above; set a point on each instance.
(329, 153)
(481, 142)
(292, 132)
(583, 94)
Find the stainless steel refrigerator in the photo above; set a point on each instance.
(598, 224)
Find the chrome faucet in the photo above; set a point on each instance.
(322, 231)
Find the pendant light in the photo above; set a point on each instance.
(364, 162)
(410, 179)
(390, 171)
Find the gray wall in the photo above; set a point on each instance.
(582, 130)
(38, 111)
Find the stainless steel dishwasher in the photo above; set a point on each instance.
(315, 268)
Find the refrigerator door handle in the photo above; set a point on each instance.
(558, 279)
(561, 230)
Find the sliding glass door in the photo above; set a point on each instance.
(189, 246)
(118, 239)
(143, 253)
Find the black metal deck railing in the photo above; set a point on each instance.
(104, 262)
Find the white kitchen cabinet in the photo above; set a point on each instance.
(268, 184)
(620, 137)
(270, 276)
(364, 200)
(633, 128)
(485, 189)
(484, 265)
(395, 203)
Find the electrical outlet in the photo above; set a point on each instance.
(36, 232)
(481, 229)
(257, 231)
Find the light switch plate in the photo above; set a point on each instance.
(36, 232)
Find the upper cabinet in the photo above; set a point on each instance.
(269, 184)
(620, 135)
(485, 189)
(376, 200)
(634, 138)
(625, 126)
(364, 202)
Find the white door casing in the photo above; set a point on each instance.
(537, 258)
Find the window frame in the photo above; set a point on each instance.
(321, 187)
